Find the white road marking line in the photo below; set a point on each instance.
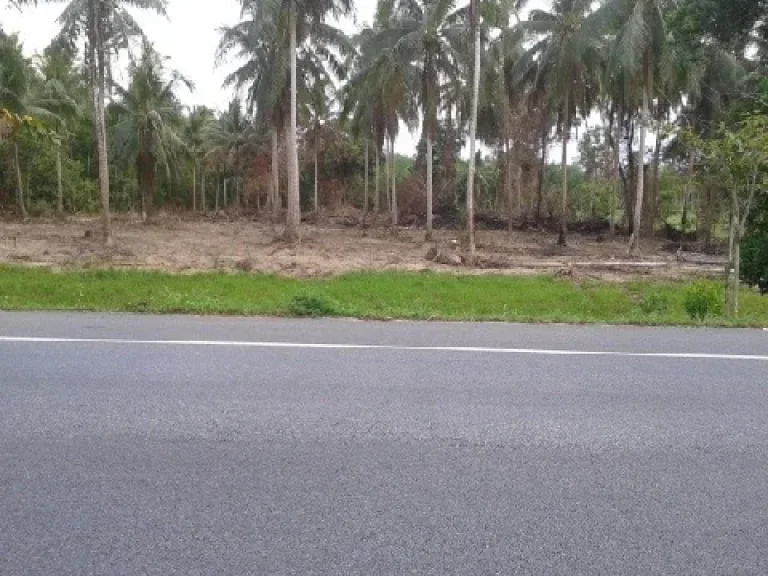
(320, 346)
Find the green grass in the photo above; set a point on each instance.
(423, 296)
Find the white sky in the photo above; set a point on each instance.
(189, 37)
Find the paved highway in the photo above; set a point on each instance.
(182, 445)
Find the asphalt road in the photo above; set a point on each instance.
(465, 449)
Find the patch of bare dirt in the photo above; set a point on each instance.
(330, 246)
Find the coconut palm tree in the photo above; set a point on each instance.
(567, 60)
(225, 139)
(277, 40)
(195, 128)
(29, 102)
(474, 19)
(60, 90)
(422, 34)
(107, 28)
(14, 83)
(637, 47)
(379, 94)
(303, 15)
(148, 112)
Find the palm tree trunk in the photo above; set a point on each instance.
(225, 193)
(654, 200)
(429, 186)
(97, 70)
(19, 182)
(613, 139)
(365, 185)
(473, 136)
(562, 238)
(274, 199)
(394, 180)
(634, 242)
(59, 184)
(508, 183)
(388, 171)
(293, 215)
(316, 176)
(687, 191)
(519, 186)
(460, 134)
(542, 172)
(203, 206)
(448, 164)
(218, 192)
(377, 192)
(194, 188)
(734, 257)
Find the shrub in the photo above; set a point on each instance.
(312, 305)
(754, 259)
(703, 299)
(654, 304)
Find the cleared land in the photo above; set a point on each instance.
(201, 265)
(333, 246)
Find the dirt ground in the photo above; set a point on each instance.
(186, 243)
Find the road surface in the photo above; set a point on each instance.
(168, 445)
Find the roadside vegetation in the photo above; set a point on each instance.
(384, 296)
(665, 103)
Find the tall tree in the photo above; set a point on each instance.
(59, 91)
(474, 18)
(567, 58)
(225, 138)
(107, 28)
(149, 113)
(637, 48)
(302, 15)
(281, 42)
(422, 33)
(195, 129)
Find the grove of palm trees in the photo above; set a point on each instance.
(608, 138)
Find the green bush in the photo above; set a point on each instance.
(754, 259)
(311, 305)
(702, 300)
(654, 304)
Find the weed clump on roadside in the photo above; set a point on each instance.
(654, 304)
(702, 300)
(312, 306)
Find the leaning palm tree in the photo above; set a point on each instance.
(567, 60)
(148, 111)
(107, 28)
(638, 42)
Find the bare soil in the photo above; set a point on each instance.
(330, 245)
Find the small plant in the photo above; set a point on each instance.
(654, 304)
(312, 305)
(703, 299)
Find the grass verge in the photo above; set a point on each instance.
(417, 296)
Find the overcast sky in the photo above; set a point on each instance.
(189, 37)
